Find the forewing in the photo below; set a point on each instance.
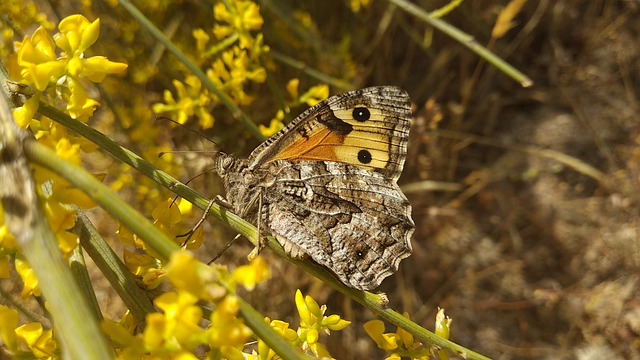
(368, 128)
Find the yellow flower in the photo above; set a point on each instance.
(182, 318)
(192, 100)
(79, 105)
(76, 35)
(356, 5)
(226, 329)
(28, 278)
(96, 68)
(60, 219)
(40, 66)
(443, 324)
(153, 335)
(249, 275)
(241, 18)
(187, 274)
(202, 38)
(315, 94)
(310, 312)
(185, 206)
(281, 328)
(146, 266)
(275, 126)
(312, 321)
(335, 323)
(120, 335)
(166, 213)
(8, 323)
(375, 330)
(38, 61)
(24, 114)
(39, 341)
(7, 241)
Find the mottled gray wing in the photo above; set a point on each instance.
(355, 222)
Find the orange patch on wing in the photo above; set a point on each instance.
(320, 146)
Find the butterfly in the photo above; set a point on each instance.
(326, 185)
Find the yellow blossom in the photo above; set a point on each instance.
(313, 321)
(38, 61)
(118, 334)
(254, 273)
(226, 328)
(24, 114)
(357, 5)
(28, 279)
(281, 328)
(167, 213)
(443, 324)
(80, 106)
(315, 94)
(146, 266)
(182, 318)
(292, 87)
(8, 323)
(308, 309)
(375, 330)
(335, 323)
(187, 274)
(185, 206)
(39, 341)
(202, 38)
(76, 34)
(443, 329)
(241, 17)
(400, 342)
(7, 241)
(96, 68)
(40, 66)
(154, 332)
(195, 240)
(274, 126)
(192, 99)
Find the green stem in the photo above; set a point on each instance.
(120, 278)
(80, 273)
(465, 40)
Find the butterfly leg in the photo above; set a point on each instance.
(217, 200)
(224, 249)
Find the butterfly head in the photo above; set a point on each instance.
(225, 164)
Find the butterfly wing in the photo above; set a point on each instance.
(353, 221)
(368, 128)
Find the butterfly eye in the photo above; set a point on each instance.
(364, 156)
(361, 114)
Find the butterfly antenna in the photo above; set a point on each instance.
(164, 118)
(187, 183)
(162, 153)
